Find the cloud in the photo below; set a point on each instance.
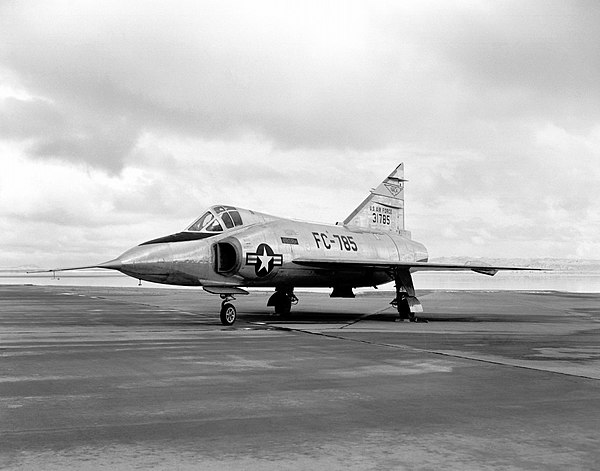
(304, 75)
(147, 112)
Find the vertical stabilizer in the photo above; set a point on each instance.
(383, 209)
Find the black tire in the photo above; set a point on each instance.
(283, 307)
(404, 310)
(228, 314)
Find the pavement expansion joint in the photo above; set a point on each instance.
(506, 363)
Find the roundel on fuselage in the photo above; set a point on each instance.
(264, 260)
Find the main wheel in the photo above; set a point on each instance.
(404, 310)
(283, 307)
(228, 314)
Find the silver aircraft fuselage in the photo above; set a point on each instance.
(262, 254)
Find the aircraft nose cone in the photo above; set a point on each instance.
(115, 264)
(144, 260)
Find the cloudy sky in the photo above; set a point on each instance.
(121, 121)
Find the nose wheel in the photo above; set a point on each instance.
(228, 312)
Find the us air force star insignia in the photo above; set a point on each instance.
(264, 260)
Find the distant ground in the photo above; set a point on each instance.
(568, 275)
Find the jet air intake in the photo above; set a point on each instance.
(227, 256)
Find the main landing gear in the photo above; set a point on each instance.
(228, 312)
(405, 301)
(283, 299)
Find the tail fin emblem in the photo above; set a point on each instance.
(393, 189)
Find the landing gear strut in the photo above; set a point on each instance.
(405, 301)
(400, 302)
(282, 299)
(228, 312)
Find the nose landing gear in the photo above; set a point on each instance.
(228, 312)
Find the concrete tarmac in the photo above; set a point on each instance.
(124, 378)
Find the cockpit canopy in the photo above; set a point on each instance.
(217, 219)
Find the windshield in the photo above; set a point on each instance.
(227, 216)
(205, 220)
(213, 226)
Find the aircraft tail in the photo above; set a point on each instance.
(383, 209)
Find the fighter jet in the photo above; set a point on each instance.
(228, 249)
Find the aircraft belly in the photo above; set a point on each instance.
(322, 279)
(166, 278)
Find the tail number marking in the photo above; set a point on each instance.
(381, 214)
(343, 242)
(382, 218)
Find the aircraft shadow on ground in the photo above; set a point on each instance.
(324, 317)
(314, 317)
(332, 317)
(320, 317)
